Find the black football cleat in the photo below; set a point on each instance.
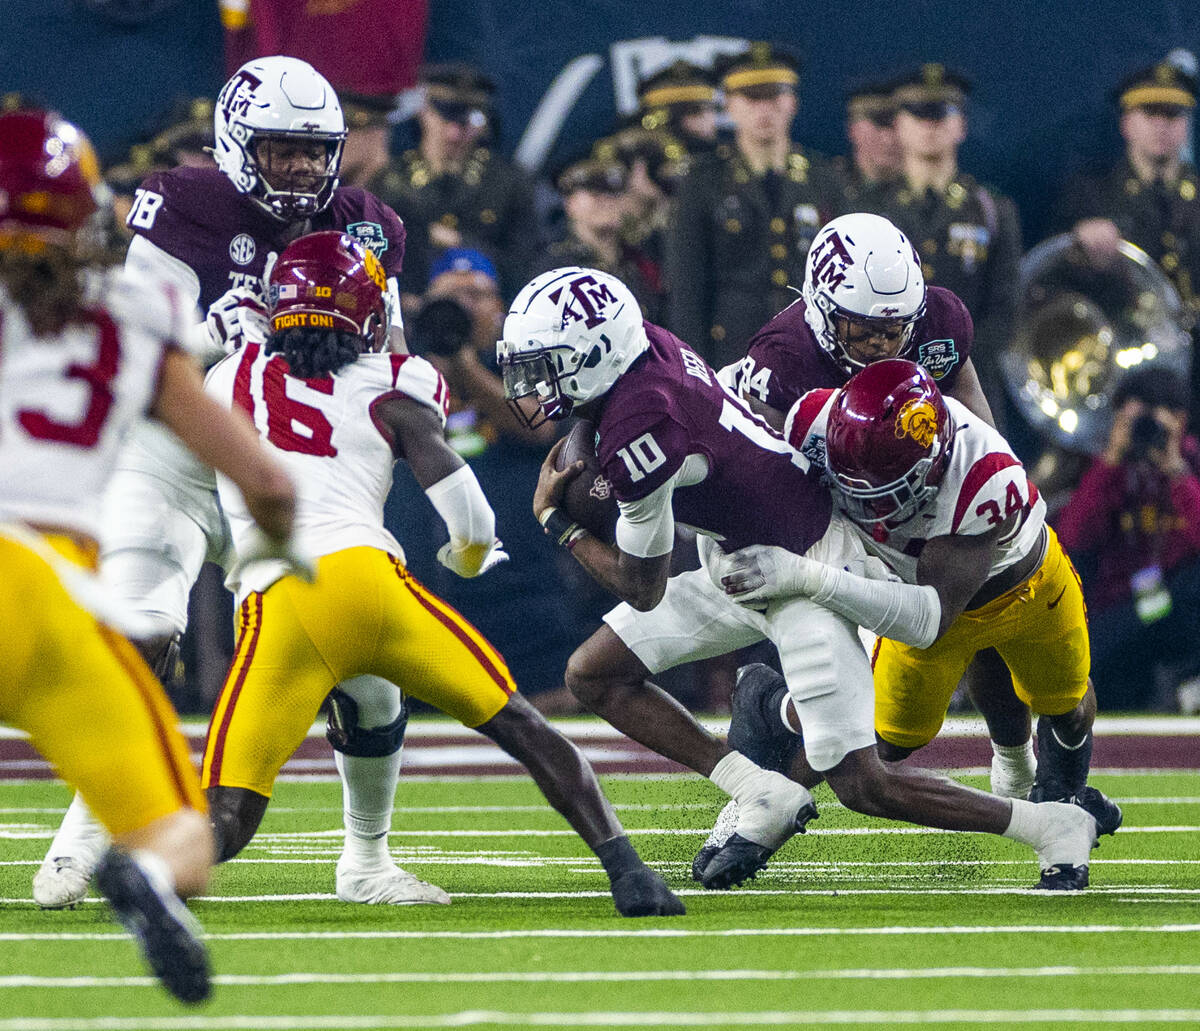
(164, 929)
(720, 834)
(643, 892)
(1103, 810)
(1063, 878)
(740, 859)
(755, 727)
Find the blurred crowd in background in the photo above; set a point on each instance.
(705, 205)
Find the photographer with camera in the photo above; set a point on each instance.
(1134, 524)
(456, 329)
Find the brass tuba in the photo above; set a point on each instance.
(1080, 327)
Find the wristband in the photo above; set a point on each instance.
(561, 528)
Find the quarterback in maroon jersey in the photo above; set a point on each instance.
(678, 446)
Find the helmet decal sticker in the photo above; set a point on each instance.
(917, 419)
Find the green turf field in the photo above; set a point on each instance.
(857, 923)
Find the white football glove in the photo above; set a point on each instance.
(258, 547)
(236, 317)
(754, 575)
(464, 559)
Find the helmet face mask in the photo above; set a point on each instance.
(569, 335)
(887, 443)
(534, 374)
(894, 502)
(864, 291)
(279, 135)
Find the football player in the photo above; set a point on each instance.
(338, 410)
(943, 501)
(86, 353)
(864, 298)
(677, 445)
(213, 233)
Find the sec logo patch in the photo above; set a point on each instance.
(242, 249)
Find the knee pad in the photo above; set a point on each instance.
(346, 736)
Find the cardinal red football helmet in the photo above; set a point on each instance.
(50, 183)
(888, 441)
(329, 280)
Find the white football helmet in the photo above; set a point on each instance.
(568, 336)
(861, 269)
(277, 99)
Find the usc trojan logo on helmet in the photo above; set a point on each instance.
(917, 419)
(374, 268)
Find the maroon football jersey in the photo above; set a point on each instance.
(669, 405)
(784, 361)
(198, 216)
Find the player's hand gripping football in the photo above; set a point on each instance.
(552, 483)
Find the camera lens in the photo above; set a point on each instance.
(1145, 434)
(441, 327)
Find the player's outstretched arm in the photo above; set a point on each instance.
(228, 442)
(957, 566)
(904, 612)
(417, 437)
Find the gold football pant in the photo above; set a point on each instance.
(1040, 630)
(296, 641)
(86, 699)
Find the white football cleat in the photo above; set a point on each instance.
(386, 886)
(62, 879)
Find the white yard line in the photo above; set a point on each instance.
(1157, 891)
(477, 1018)
(589, 976)
(645, 932)
(21, 833)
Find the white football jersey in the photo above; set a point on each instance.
(984, 484)
(69, 400)
(325, 434)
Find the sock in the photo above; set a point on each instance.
(1062, 769)
(79, 835)
(734, 773)
(156, 868)
(784, 708)
(1013, 769)
(618, 856)
(368, 797)
(1028, 822)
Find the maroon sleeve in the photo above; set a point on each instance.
(1084, 522)
(639, 453)
(162, 213)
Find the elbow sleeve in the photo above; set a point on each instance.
(460, 501)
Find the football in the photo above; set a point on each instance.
(589, 499)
